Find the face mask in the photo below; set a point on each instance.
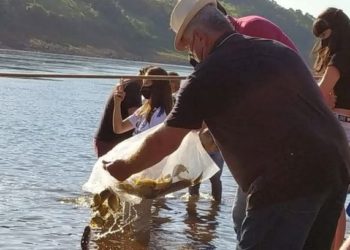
(193, 57)
(146, 91)
(192, 61)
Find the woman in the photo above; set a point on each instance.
(105, 139)
(332, 27)
(332, 51)
(158, 103)
(156, 107)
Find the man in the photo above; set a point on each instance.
(255, 26)
(266, 114)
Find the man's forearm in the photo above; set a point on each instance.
(155, 147)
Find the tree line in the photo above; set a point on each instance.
(136, 30)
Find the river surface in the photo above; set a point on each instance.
(46, 155)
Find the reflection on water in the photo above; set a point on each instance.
(199, 228)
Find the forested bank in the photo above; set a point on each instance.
(136, 30)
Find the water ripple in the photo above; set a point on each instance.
(46, 154)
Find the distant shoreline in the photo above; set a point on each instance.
(98, 57)
(89, 51)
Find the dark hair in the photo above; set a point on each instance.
(160, 95)
(175, 83)
(143, 70)
(319, 27)
(339, 23)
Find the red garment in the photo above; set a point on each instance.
(258, 26)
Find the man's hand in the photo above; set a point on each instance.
(118, 169)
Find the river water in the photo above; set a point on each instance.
(46, 155)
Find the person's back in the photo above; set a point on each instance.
(277, 136)
(254, 26)
(296, 127)
(257, 26)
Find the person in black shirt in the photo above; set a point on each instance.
(105, 138)
(332, 51)
(280, 141)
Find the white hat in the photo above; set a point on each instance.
(182, 14)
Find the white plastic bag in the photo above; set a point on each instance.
(188, 165)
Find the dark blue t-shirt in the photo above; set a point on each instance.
(266, 114)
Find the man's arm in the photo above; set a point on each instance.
(156, 146)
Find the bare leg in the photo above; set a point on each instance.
(216, 186)
(194, 190)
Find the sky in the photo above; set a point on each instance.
(315, 7)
